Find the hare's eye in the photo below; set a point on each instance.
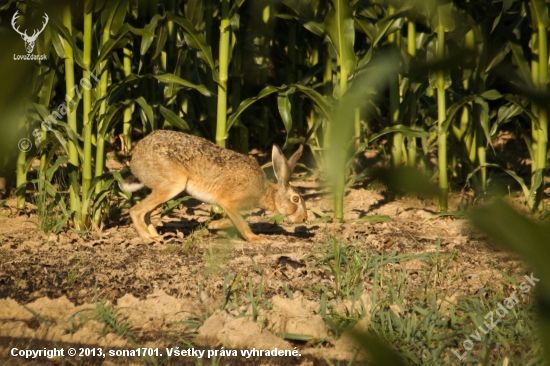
(295, 199)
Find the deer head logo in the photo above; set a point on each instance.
(29, 40)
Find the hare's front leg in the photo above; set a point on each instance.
(242, 225)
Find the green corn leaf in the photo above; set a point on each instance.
(193, 38)
(194, 11)
(58, 45)
(53, 144)
(107, 118)
(28, 162)
(389, 24)
(103, 193)
(405, 130)
(235, 6)
(108, 13)
(147, 109)
(302, 8)
(313, 26)
(117, 19)
(162, 36)
(63, 32)
(89, 6)
(276, 219)
(514, 99)
(51, 170)
(491, 94)
(319, 213)
(452, 111)
(63, 141)
(444, 14)
(484, 119)
(42, 110)
(295, 337)
(139, 31)
(536, 183)
(119, 41)
(48, 86)
(372, 218)
(367, 27)
(171, 78)
(526, 191)
(147, 41)
(323, 102)
(364, 60)
(118, 177)
(173, 119)
(285, 110)
(268, 90)
(506, 4)
(505, 114)
(515, 232)
(528, 140)
(519, 57)
(503, 51)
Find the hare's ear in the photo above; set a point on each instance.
(280, 166)
(295, 157)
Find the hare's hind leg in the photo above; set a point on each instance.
(150, 227)
(141, 213)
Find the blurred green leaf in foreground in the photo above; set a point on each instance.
(530, 239)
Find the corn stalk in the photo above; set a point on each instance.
(225, 33)
(127, 121)
(21, 175)
(441, 116)
(397, 141)
(101, 94)
(211, 103)
(411, 50)
(74, 167)
(87, 124)
(537, 180)
(340, 29)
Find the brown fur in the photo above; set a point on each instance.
(170, 162)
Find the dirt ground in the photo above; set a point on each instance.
(168, 295)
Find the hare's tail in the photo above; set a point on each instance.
(132, 184)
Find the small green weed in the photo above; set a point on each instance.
(50, 205)
(73, 274)
(15, 286)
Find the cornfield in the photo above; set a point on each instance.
(430, 86)
(427, 87)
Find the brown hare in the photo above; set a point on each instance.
(170, 162)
